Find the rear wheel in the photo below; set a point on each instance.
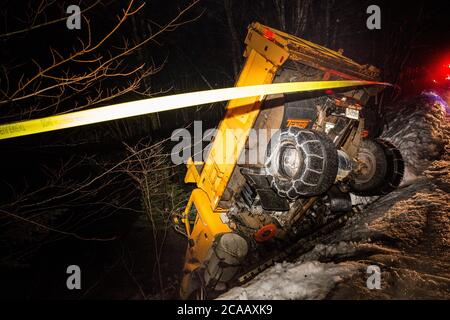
(380, 169)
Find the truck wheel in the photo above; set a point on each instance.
(381, 168)
(301, 162)
(396, 167)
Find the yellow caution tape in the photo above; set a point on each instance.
(166, 103)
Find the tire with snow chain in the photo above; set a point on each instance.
(301, 162)
(382, 168)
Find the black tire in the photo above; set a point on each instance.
(301, 162)
(383, 168)
(395, 168)
(373, 169)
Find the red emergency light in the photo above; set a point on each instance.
(268, 34)
(440, 72)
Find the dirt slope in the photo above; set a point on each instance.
(406, 233)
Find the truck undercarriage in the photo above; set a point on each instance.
(294, 162)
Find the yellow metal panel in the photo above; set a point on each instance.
(271, 50)
(192, 175)
(240, 116)
(310, 53)
(207, 226)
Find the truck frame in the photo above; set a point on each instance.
(315, 153)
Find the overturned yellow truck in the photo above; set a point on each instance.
(311, 153)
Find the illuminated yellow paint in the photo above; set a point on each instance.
(166, 103)
(208, 225)
(305, 51)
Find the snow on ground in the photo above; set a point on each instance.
(292, 281)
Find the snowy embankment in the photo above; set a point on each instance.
(406, 233)
(293, 281)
